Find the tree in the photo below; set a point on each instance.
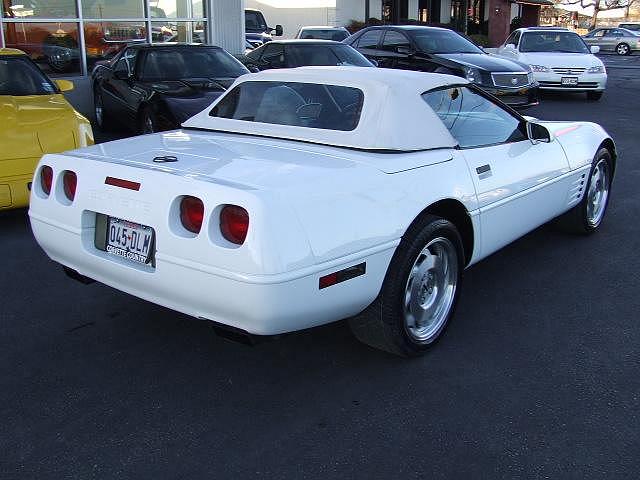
(598, 6)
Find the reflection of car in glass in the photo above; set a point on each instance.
(299, 53)
(149, 88)
(256, 30)
(619, 40)
(35, 119)
(559, 59)
(336, 34)
(309, 195)
(440, 50)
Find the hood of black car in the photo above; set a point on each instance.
(485, 62)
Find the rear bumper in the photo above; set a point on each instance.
(257, 304)
(14, 191)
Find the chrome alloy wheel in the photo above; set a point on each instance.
(622, 49)
(430, 289)
(598, 193)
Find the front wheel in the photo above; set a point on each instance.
(623, 49)
(419, 293)
(586, 216)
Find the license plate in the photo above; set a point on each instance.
(129, 240)
(569, 81)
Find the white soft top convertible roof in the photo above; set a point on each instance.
(393, 117)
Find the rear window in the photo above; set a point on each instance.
(311, 105)
(324, 34)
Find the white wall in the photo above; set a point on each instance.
(226, 24)
(292, 18)
(347, 10)
(412, 10)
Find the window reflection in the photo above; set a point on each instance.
(190, 32)
(104, 39)
(54, 46)
(112, 8)
(41, 9)
(176, 8)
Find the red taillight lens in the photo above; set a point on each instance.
(46, 179)
(192, 213)
(69, 182)
(234, 223)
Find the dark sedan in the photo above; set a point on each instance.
(432, 49)
(302, 53)
(150, 88)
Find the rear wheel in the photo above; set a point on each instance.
(586, 217)
(623, 49)
(419, 293)
(594, 95)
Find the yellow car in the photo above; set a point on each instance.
(35, 119)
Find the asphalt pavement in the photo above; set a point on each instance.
(538, 375)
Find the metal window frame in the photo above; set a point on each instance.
(80, 21)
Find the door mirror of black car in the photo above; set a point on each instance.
(405, 51)
(253, 69)
(279, 31)
(374, 62)
(538, 133)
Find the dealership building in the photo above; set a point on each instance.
(66, 37)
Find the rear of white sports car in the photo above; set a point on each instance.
(188, 232)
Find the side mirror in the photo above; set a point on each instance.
(64, 85)
(538, 133)
(595, 49)
(279, 31)
(375, 62)
(253, 69)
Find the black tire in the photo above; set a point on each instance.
(384, 324)
(623, 49)
(595, 96)
(577, 220)
(101, 116)
(147, 121)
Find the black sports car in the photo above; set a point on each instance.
(301, 53)
(440, 50)
(150, 88)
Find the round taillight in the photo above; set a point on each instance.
(191, 213)
(46, 179)
(234, 223)
(69, 182)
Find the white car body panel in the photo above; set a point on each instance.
(314, 209)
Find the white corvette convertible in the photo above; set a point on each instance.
(306, 196)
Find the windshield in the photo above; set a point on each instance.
(254, 22)
(176, 64)
(325, 55)
(18, 77)
(334, 34)
(566, 42)
(309, 105)
(443, 41)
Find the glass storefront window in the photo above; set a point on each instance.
(39, 9)
(54, 46)
(104, 39)
(112, 8)
(190, 32)
(176, 9)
